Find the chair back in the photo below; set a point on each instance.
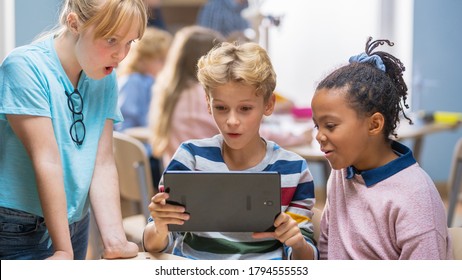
(454, 181)
(456, 238)
(133, 166)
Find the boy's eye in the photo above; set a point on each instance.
(219, 108)
(246, 108)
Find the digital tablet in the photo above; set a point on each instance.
(225, 202)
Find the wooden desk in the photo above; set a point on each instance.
(157, 256)
(312, 153)
(419, 130)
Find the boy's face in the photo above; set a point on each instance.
(238, 112)
(342, 135)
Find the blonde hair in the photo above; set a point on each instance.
(178, 74)
(247, 63)
(154, 44)
(107, 16)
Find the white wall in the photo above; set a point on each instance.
(34, 17)
(7, 27)
(316, 37)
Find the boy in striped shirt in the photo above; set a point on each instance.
(239, 81)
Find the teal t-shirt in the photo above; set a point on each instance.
(33, 82)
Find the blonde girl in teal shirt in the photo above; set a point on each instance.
(58, 102)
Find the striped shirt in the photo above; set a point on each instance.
(297, 200)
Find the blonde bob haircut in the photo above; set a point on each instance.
(247, 63)
(107, 16)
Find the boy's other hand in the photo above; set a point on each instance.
(287, 231)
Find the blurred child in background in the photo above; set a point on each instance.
(136, 77)
(179, 109)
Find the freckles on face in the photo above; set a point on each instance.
(99, 57)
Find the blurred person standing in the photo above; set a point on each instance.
(137, 75)
(224, 16)
(155, 15)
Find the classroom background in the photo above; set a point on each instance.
(307, 39)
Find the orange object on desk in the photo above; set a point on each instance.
(283, 104)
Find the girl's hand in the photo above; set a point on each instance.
(61, 255)
(120, 250)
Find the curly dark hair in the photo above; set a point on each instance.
(372, 90)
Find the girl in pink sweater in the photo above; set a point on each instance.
(380, 203)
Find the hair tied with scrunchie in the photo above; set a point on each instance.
(371, 59)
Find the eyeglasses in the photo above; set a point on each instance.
(75, 104)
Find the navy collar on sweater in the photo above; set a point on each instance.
(376, 175)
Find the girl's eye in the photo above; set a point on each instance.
(111, 41)
(330, 126)
(130, 42)
(316, 126)
(219, 108)
(246, 108)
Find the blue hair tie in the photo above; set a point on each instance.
(373, 59)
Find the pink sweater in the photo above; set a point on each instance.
(393, 212)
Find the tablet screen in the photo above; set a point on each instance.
(225, 202)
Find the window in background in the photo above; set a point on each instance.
(313, 37)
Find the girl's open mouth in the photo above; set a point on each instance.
(109, 70)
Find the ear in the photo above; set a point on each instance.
(207, 97)
(376, 123)
(269, 106)
(73, 23)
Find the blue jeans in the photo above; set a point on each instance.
(24, 236)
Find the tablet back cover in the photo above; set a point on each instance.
(225, 202)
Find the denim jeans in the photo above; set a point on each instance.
(24, 236)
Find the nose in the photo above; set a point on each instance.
(232, 119)
(320, 137)
(121, 53)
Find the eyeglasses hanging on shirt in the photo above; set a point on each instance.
(75, 104)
